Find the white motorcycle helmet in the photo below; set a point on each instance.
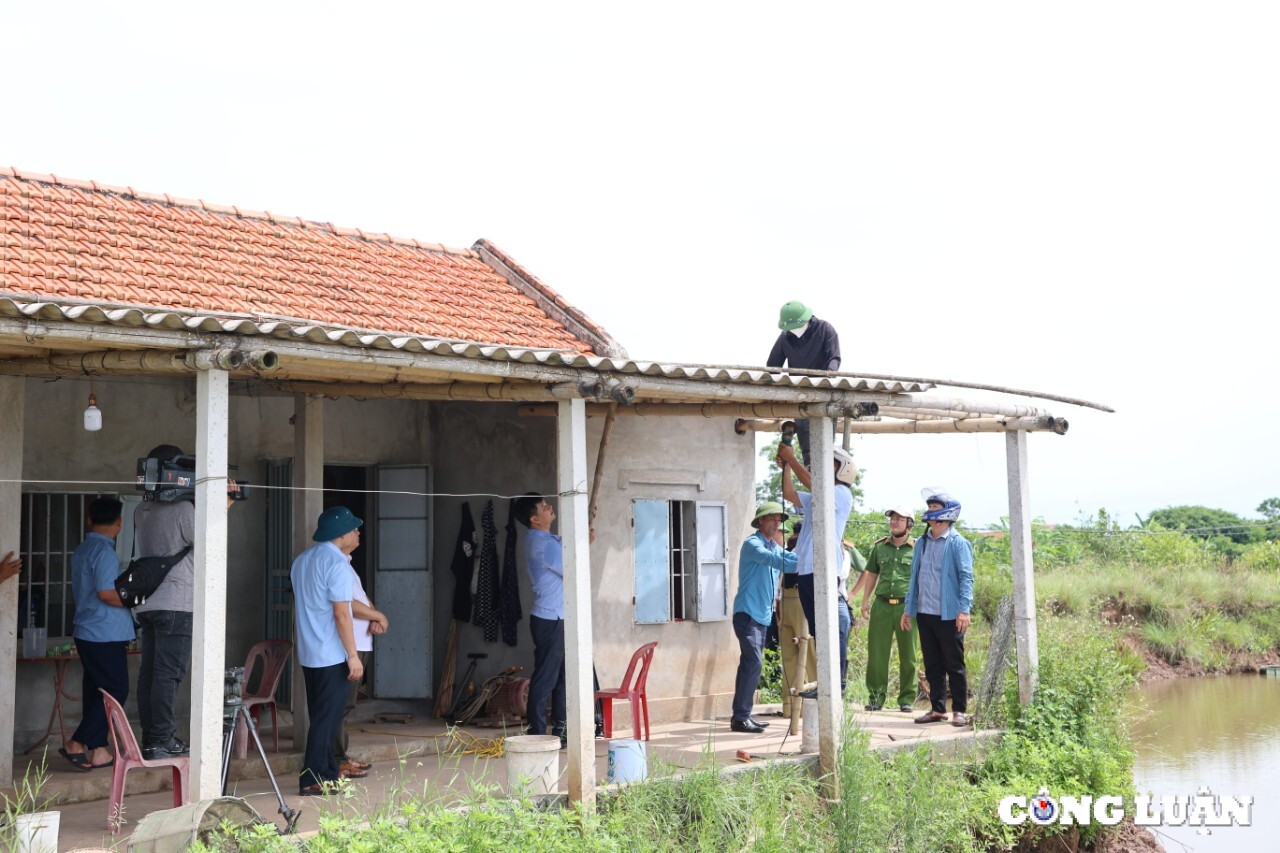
(846, 471)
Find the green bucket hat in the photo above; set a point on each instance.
(768, 508)
(335, 522)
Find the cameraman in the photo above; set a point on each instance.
(162, 528)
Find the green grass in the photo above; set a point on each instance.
(1177, 595)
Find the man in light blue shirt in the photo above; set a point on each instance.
(845, 472)
(322, 590)
(544, 561)
(761, 561)
(939, 597)
(103, 629)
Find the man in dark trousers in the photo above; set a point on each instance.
(761, 561)
(162, 529)
(103, 629)
(806, 343)
(939, 598)
(544, 561)
(322, 590)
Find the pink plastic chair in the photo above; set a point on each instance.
(273, 655)
(129, 756)
(634, 692)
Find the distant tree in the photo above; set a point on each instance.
(1270, 509)
(1206, 523)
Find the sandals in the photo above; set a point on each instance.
(79, 760)
(932, 717)
(960, 719)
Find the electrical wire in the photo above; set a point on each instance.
(579, 490)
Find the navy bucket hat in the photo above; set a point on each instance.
(335, 522)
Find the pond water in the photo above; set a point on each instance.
(1221, 733)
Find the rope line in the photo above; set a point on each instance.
(577, 491)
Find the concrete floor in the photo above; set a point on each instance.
(407, 760)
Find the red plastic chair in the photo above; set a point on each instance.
(273, 655)
(129, 756)
(631, 691)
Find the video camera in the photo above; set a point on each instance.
(232, 689)
(175, 480)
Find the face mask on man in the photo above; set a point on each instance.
(799, 330)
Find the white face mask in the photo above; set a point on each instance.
(799, 330)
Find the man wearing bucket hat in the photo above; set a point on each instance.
(322, 590)
(761, 560)
(805, 343)
(884, 591)
(939, 598)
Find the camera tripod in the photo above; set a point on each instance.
(232, 712)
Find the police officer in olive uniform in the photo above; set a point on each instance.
(887, 577)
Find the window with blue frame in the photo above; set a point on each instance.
(681, 561)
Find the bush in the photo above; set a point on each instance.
(1264, 557)
(1073, 738)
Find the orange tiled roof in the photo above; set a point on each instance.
(65, 239)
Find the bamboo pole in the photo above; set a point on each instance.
(594, 506)
(719, 410)
(1058, 426)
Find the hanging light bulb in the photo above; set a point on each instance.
(92, 415)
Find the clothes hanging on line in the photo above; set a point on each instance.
(461, 565)
(485, 609)
(512, 613)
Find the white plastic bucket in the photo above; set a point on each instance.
(38, 832)
(809, 740)
(628, 761)
(533, 764)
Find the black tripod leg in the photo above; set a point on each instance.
(290, 815)
(228, 737)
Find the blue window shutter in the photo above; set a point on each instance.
(652, 560)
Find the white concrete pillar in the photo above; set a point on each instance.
(209, 630)
(571, 476)
(1024, 586)
(12, 398)
(826, 557)
(308, 503)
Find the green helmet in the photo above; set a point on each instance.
(793, 315)
(768, 508)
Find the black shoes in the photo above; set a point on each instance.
(808, 694)
(875, 706)
(747, 726)
(763, 725)
(173, 749)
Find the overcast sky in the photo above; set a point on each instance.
(1078, 198)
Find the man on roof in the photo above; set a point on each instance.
(805, 343)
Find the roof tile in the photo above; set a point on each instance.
(110, 244)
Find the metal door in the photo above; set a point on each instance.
(402, 582)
